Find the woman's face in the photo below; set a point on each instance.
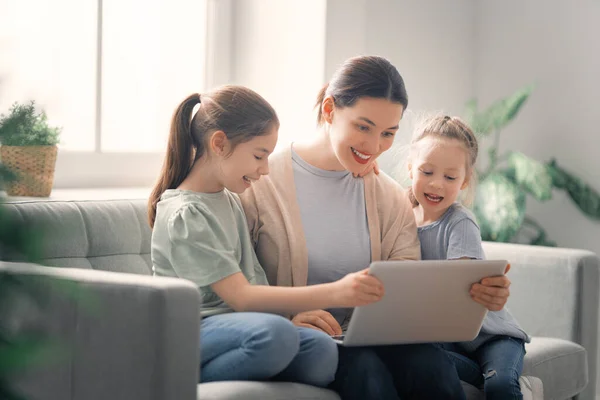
(360, 133)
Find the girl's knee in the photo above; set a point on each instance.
(277, 334)
(275, 342)
(323, 359)
(319, 343)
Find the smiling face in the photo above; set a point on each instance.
(247, 162)
(439, 171)
(361, 132)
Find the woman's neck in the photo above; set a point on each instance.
(204, 177)
(318, 152)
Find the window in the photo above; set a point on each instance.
(152, 57)
(110, 73)
(50, 58)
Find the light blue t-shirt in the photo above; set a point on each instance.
(203, 237)
(456, 235)
(334, 220)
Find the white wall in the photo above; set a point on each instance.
(554, 44)
(432, 43)
(279, 51)
(286, 50)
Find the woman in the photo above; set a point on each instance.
(312, 222)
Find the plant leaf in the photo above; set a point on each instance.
(539, 236)
(500, 113)
(583, 195)
(24, 126)
(19, 241)
(531, 175)
(471, 112)
(499, 208)
(6, 393)
(6, 175)
(27, 352)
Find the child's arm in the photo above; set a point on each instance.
(353, 290)
(465, 242)
(200, 252)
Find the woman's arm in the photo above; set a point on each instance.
(353, 290)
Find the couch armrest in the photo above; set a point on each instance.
(555, 293)
(129, 337)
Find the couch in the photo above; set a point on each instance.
(139, 339)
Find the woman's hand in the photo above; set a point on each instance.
(320, 320)
(492, 292)
(357, 289)
(371, 167)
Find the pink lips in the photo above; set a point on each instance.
(358, 159)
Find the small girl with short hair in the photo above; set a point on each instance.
(200, 233)
(441, 164)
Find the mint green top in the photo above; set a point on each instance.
(203, 237)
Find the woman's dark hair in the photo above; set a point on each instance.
(364, 76)
(239, 112)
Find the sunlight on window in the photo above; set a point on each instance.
(48, 54)
(152, 57)
(153, 54)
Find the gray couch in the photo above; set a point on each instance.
(139, 341)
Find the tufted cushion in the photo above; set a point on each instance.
(102, 235)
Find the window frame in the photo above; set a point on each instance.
(97, 168)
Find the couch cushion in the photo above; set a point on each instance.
(560, 364)
(244, 390)
(530, 386)
(103, 235)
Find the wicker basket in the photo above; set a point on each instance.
(34, 166)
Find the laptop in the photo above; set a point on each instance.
(424, 302)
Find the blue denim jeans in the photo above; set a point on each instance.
(496, 365)
(260, 346)
(419, 371)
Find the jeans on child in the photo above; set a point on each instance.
(496, 365)
(260, 346)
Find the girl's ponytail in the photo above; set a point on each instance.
(237, 111)
(180, 153)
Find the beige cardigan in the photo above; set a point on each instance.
(276, 228)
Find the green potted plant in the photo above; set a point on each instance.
(29, 148)
(511, 176)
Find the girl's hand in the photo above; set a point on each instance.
(358, 289)
(320, 320)
(371, 167)
(492, 292)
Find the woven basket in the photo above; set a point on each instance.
(34, 166)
